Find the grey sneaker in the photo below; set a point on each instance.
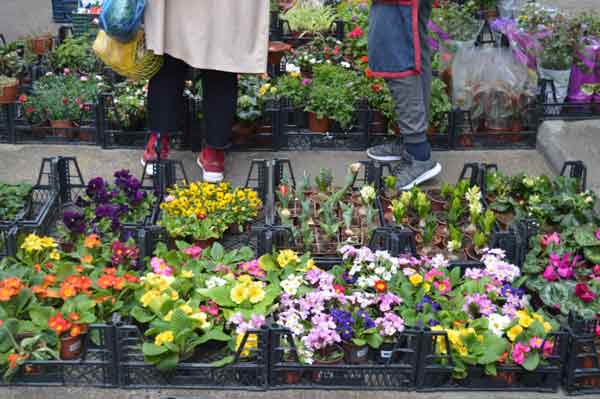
(409, 172)
(388, 152)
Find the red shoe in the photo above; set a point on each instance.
(150, 151)
(212, 163)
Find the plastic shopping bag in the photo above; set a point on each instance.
(121, 19)
(131, 60)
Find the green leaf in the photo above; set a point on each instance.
(592, 254)
(490, 369)
(221, 295)
(141, 315)
(151, 349)
(40, 315)
(216, 334)
(494, 347)
(532, 360)
(585, 236)
(223, 362)
(268, 262)
(217, 251)
(375, 340)
(168, 362)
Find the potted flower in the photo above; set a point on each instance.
(441, 106)
(127, 110)
(308, 19)
(41, 44)
(8, 89)
(202, 212)
(15, 200)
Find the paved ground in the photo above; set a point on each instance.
(75, 393)
(18, 163)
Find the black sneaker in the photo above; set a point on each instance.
(410, 172)
(386, 152)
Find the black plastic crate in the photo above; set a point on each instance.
(396, 370)
(17, 130)
(551, 109)
(435, 373)
(283, 31)
(134, 373)
(8, 241)
(96, 366)
(582, 369)
(468, 135)
(292, 131)
(63, 9)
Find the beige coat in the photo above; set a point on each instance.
(223, 35)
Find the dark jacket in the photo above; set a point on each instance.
(394, 45)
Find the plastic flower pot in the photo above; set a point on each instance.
(276, 52)
(379, 124)
(41, 45)
(330, 356)
(318, 125)
(62, 128)
(355, 354)
(70, 347)
(438, 204)
(86, 135)
(242, 130)
(472, 253)
(9, 92)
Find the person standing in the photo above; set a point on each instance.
(222, 38)
(400, 53)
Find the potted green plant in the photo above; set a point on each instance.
(41, 44)
(74, 53)
(441, 106)
(308, 19)
(8, 89)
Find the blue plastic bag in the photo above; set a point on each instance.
(121, 19)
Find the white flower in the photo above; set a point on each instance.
(498, 323)
(291, 284)
(439, 262)
(368, 194)
(291, 68)
(313, 61)
(362, 282)
(83, 78)
(380, 270)
(473, 195)
(345, 64)
(371, 266)
(387, 276)
(409, 271)
(215, 281)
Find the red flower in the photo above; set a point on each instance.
(339, 289)
(200, 216)
(336, 50)
(65, 101)
(364, 59)
(131, 279)
(29, 110)
(105, 281)
(582, 291)
(356, 33)
(369, 73)
(376, 88)
(381, 286)
(22, 98)
(58, 323)
(284, 190)
(78, 101)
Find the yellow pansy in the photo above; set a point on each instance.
(239, 293)
(256, 293)
(54, 255)
(163, 338)
(416, 279)
(514, 332)
(286, 257)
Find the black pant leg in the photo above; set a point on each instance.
(219, 106)
(165, 96)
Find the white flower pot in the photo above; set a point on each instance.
(561, 87)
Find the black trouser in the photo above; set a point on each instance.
(219, 103)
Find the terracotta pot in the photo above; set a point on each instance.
(8, 94)
(242, 130)
(472, 253)
(62, 128)
(85, 135)
(291, 377)
(317, 125)
(355, 354)
(41, 45)
(438, 204)
(465, 140)
(276, 52)
(70, 347)
(379, 124)
(507, 377)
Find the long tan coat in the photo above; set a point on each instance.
(223, 35)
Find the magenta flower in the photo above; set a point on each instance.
(194, 251)
(548, 348)
(519, 352)
(443, 287)
(598, 234)
(306, 82)
(536, 342)
(550, 274)
(565, 272)
(548, 239)
(387, 301)
(596, 270)
(159, 266)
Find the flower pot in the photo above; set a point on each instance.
(8, 94)
(291, 377)
(438, 204)
(318, 125)
(41, 45)
(385, 353)
(276, 52)
(504, 219)
(355, 354)
(62, 128)
(472, 253)
(242, 130)
(379, 124)
(70, 347)
(335, 356)
(561, 85)
(85, 135)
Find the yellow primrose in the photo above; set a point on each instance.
(32, 243)
(538, 317)
(286, 257)
(245, 279)
(310, 264)
(426, 287)
(48, 242)
(416, 279)
(453, 337)
(524, 319)
(163, 338)
(239, 293)
(547, 327)
(54, 255)
(462, 350)
(174, 295)
(187, 274)
(187, 309)
(168, 316)
(514, 332)
(148, 297)
(256, 293)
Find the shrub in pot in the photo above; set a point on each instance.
(309, 19)
(8, 89)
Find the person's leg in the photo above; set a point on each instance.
(219, 105)
(424, 17)
(165, 100)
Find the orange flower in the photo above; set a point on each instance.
(102, 299)
(72, 280)
(52, 294)
(38, 289)
(84, 283)
(79, 269)
(13, 283)
(131, 279)
(110, 270)
(6, 294)
(87, 259)
(364, 59)
(67, 290)
(76, 330)
(92, 241)
(13, 359)
(369, 73)
(119, 283)
(37, 267)
(58, 323)
(381, 286)
(49, 280)
(105, 281)
(73, 316)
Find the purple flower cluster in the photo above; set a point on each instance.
(390, 324)
(322, 334)
(477, 305)
(344, 323)
(256, 322)
(74, 221)
(131, 186)
(427, 300)
(123, 254)
(515, 299)
(388, 300)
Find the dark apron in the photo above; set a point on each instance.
(394, 48)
